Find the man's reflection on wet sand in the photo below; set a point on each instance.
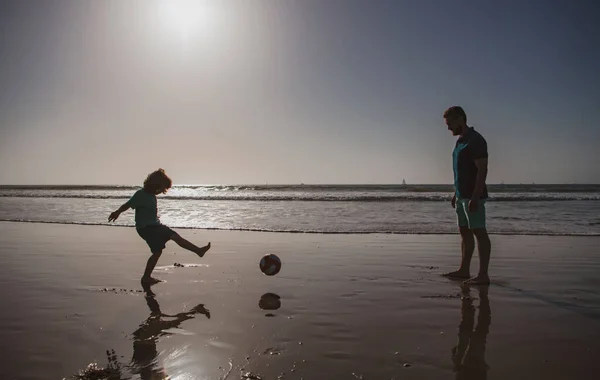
(468, 355)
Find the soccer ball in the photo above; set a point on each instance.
(270, 264)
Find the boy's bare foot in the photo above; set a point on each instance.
(203, 250)
(150, 280)
(457, 274)
(147, 289)
(481, 279)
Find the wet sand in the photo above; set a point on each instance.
(342, 307)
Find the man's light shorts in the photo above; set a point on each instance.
(472, 220)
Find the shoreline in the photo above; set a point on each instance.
(590, 235)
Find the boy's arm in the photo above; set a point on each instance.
(113, 216)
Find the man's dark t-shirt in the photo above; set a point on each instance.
(469, 148)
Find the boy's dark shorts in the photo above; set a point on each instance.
(156, 236)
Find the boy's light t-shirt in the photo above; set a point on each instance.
(146, 212)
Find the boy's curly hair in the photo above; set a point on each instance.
(156, 180)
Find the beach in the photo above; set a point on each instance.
(360, 142)
(369, 306)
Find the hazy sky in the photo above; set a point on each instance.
(313, 91)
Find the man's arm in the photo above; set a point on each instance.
(453, 201)
(482, 169)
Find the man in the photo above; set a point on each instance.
(470, 162)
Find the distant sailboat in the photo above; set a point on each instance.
(403, 182)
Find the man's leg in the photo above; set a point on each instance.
(484, 246)
(467, 244)
(152, 260)
(200, 251)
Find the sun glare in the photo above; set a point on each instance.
(186, 18)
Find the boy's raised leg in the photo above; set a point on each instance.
(200, 251)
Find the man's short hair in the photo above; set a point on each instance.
(454, 112)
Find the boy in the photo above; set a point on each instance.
(147, 224)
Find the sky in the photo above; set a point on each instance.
(311, 91)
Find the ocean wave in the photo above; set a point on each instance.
(322, 197)
(417, 188)
(68, 187)
(319, 232)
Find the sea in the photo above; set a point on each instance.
(562, 209)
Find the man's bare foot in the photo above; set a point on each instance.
(481, 279)
(203, 250)
(457, 274)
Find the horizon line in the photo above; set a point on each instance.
(307, 184)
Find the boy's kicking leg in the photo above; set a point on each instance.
(152, 260)
(200, 251)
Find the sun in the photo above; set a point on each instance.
(185, 18)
